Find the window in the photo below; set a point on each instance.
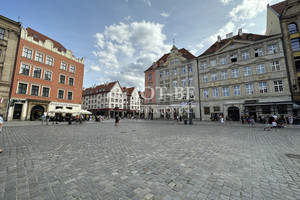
(206, 111)
(275, 66)
(72, 69)
(45, 92)
(223, 61)
(22, 89)
(25, 69)
(233, 57)
(225, 91)
(247, 71)
(62, 79)
(295, 44)
(190, 81)
(60, 94)
(63, 66)
(215, 92)
(167, 73)
(292, 28)
(258, 52)
(278, 86)
(174, 72)
(245, 55)
(213, 63)
(214, 77)
(205, 94)
(49, 61)
(174, 83)
(48, 75)
(70, 95)
(190, 68)
(204, 78)
(236, 90)
(182, 70)
(249, 89)
(37, 72)
(183, 82)
(263, 87)
(272, 49)
(224, 75)
(149, 76)
(235, 73)
(203, 65)
(260, 69)
(27, 53)
(71, 81)
(167, 84)
(161, 74)
(2, 31)
(39, 57)
(35, 90)
(216, 108)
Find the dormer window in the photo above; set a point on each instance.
(233, 57)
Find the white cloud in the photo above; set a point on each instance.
(147, 2)
(225, 2)
(165, 14)
(248, 9)
(95, 68)
(128, 18)
(125, 51)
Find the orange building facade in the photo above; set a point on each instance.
(47, 76)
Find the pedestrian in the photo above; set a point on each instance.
(42, 119)
(117, 120)
(291, 119)
(222, 119)
(274, 125)
(252, 121)
(267, 125)
(1, 124)
(243, 119)
(47, 119)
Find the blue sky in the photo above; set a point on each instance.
(120, 39)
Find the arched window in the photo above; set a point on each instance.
(293, 28)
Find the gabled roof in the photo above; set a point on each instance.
(279, 7)
(245, 37)
(128, 90)
(40, 37)
(185, 53)
(105, 88)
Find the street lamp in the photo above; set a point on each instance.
(190, 112)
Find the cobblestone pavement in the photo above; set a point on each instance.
(148, 160)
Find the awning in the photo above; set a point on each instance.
(269, 103)
(295, 106)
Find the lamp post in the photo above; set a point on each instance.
(190, 112)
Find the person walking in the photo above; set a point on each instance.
(1, 124)
(47, 119)
(42, 119)
(117, 120)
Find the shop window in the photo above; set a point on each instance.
(206, 111)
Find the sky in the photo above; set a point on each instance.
(120, 39)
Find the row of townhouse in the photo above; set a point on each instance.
(245, 74)
(41, 74)
(111, 99)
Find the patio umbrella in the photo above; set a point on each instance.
(58, 110)
(84, 112)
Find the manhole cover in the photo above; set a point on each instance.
(293, 156)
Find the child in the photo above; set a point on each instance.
(274, 125)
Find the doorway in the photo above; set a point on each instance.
(234, 113)
(36, 112)
(17, 111)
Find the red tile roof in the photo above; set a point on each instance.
(185, 53)
(99, 89)
(246, 36)
(128, 90)
(40, 37)
(279, 7)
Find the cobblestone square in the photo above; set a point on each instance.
(148, 160)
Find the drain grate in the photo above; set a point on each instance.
(293, 156)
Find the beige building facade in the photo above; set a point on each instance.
(176, 86)
(9, 38)
(244, 75)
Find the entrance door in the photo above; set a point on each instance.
(36, 112)
(17, 111)
(234, 113)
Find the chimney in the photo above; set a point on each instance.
(240, 32)
(219, 38)
(229, 35)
